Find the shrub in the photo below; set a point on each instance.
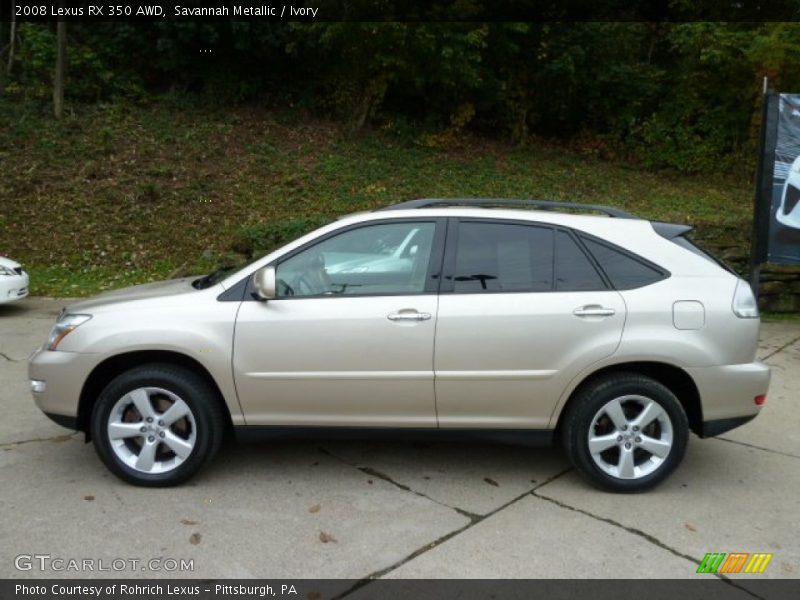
(263, 238)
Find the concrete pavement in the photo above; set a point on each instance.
(390, 509)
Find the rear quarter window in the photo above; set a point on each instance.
(624, 270)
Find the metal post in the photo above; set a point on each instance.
(763, 192)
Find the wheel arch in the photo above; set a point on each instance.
(111, 367)
(678, 381)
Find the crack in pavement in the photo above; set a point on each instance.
(56, 438)
(9, 359)
(781, 349)
(379, 475)
(638, 532)
(475, 519)
(437, 542)
(633, 530)
(782, 453)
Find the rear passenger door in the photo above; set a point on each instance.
(522, 310)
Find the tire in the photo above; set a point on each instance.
(160, 452)
(621, 459)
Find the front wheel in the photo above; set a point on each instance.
(625, 432)
(157, 425)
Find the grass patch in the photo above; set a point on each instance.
(115, 194)
(772, 317)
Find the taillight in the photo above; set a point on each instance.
(760, 400)
(744, 302)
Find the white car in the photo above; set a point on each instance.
(788, 213)
(13, 281)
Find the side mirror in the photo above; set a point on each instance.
(265, 283)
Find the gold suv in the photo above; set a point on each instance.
(511, 319)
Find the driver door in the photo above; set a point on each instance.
(349, 340)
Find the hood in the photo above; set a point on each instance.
(7, 262)
(158, 289)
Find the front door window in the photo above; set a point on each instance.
(381, 259)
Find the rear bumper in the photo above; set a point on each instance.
(720, 426)
(728, 393)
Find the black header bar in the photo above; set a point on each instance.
(400, 10)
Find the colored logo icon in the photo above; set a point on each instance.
(734, 562)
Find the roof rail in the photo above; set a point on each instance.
(487, 202)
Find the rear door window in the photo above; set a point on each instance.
(574, 271)
(503, 257)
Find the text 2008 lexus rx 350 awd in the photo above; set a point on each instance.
(613, 334)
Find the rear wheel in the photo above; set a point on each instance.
(626, 432)
(157, 425)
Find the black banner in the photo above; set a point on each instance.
(705, 587)
(781, 196)
(401, 10)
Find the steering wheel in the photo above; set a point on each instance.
(287, 289)
(315, 280)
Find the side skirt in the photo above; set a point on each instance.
(515, 437)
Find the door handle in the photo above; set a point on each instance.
(593, 310)
(408, 315)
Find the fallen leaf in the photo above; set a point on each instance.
(690, 527)
(314, 509)
(491, 482)
(195, 538)
(188, 522)
(326, 537)
(88, 498)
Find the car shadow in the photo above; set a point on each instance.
(14, 309)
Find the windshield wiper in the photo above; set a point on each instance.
(212, 278)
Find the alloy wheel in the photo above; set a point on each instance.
(152, 430)
(630, 437)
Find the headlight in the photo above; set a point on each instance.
(7, 271)
(65, 324)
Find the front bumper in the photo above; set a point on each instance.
(788, 212)
(13, 288)
(63, 420)
(789, 220)
(728, 393)
(64, 374)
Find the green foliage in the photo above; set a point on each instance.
(684, 96)
(262, 238)
(117, 194)
(358, 65)
(35, 61)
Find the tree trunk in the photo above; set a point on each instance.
(12, 40)
(61, 57)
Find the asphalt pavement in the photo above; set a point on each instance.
(356, 510)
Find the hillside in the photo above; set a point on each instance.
(117, 194)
